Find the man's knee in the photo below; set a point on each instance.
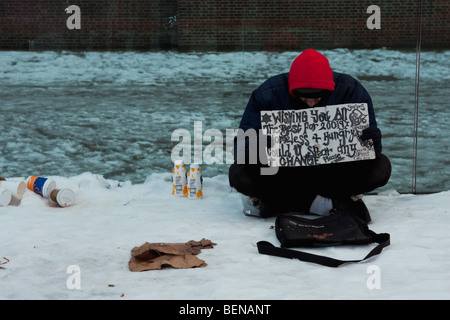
(383, 169)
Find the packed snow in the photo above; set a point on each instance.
(42, 245)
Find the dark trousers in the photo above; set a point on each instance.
(292, 189)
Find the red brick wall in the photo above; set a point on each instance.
(286, 24)
(221, 24)
(105, 24)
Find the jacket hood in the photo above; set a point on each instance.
(311, 70)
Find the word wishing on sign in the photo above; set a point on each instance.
(317, 136)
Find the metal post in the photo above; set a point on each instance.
(416, 109)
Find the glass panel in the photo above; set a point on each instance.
(101, 85)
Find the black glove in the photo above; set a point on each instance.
(375, 134)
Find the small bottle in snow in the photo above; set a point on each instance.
(194, 182)
(179, 187)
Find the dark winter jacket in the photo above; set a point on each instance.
(274, 94)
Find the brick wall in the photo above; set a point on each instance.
(220, 24)
(105, 24)
(290, 24)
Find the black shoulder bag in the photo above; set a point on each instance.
(342, 228)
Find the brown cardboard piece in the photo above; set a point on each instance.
(155, 256)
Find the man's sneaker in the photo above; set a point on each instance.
(321, 206)
(251, 206)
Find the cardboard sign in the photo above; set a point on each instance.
(315, 136)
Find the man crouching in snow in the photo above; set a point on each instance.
(316, 189)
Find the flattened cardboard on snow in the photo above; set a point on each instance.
(315, 136)
(155, 256)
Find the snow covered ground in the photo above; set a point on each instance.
(41, 243)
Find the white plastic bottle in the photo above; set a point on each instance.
(179, 187)
(194, 182)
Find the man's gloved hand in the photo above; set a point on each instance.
(373, 133)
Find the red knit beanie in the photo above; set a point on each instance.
(311, 69)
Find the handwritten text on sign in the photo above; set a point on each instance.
(316, 136)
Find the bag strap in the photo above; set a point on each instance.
(264, 247)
